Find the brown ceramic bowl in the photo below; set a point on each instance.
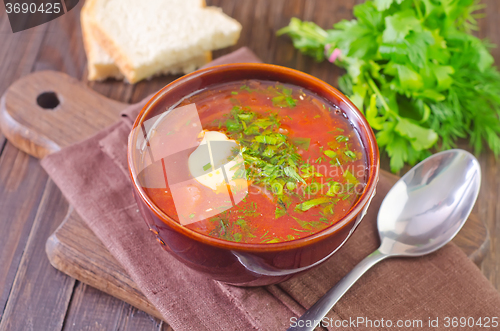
(241, 263)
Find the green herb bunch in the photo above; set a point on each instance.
(414, 69)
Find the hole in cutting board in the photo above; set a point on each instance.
(48, 100)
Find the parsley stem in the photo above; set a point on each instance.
(307, 30)
(419, 11)
(379, 95)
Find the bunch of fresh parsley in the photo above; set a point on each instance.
(421, 79)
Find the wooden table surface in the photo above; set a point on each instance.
(35, 296)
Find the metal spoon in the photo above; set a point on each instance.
(421, 213)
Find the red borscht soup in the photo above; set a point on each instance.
(270, 163)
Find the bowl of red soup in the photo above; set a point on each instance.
(252, 173)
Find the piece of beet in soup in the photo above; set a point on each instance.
(270, 163)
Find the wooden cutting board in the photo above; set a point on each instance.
(46, 111)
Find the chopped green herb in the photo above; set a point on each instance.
(245, 117)
(334, 188)
(306, 205)
(280, 211)
(269, 152)
(341, 138)
(335, 162)
(271, 140)
(277, 188)
(292, 173)
(291, 102)
(207, 166)
(237, 237)
(331, 154)
(350, 154)
(312, 189)
(324, 220)
(350, 177)
(233, 126)
(284, 98)
(303, 143)
(246, 88)
(277, 100)
(299, 230)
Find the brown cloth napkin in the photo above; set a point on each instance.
(93, 177)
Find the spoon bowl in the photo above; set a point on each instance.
(421, 213)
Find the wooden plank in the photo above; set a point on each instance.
(145, 88)
(22, 182)
(112, 89)
(91, 309)
(40, 295)
(242, 12)
(21, 179)
(18, 51)
(75, 250)
(474, 239)
(62, 46)
(488, 207)
(254, 14)
(134, 319)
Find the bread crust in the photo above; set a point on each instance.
(94, 71)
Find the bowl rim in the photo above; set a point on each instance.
(371, 151)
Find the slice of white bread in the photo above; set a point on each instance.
(144, 38)
(101, 66)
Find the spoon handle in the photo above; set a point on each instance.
(313, 316)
